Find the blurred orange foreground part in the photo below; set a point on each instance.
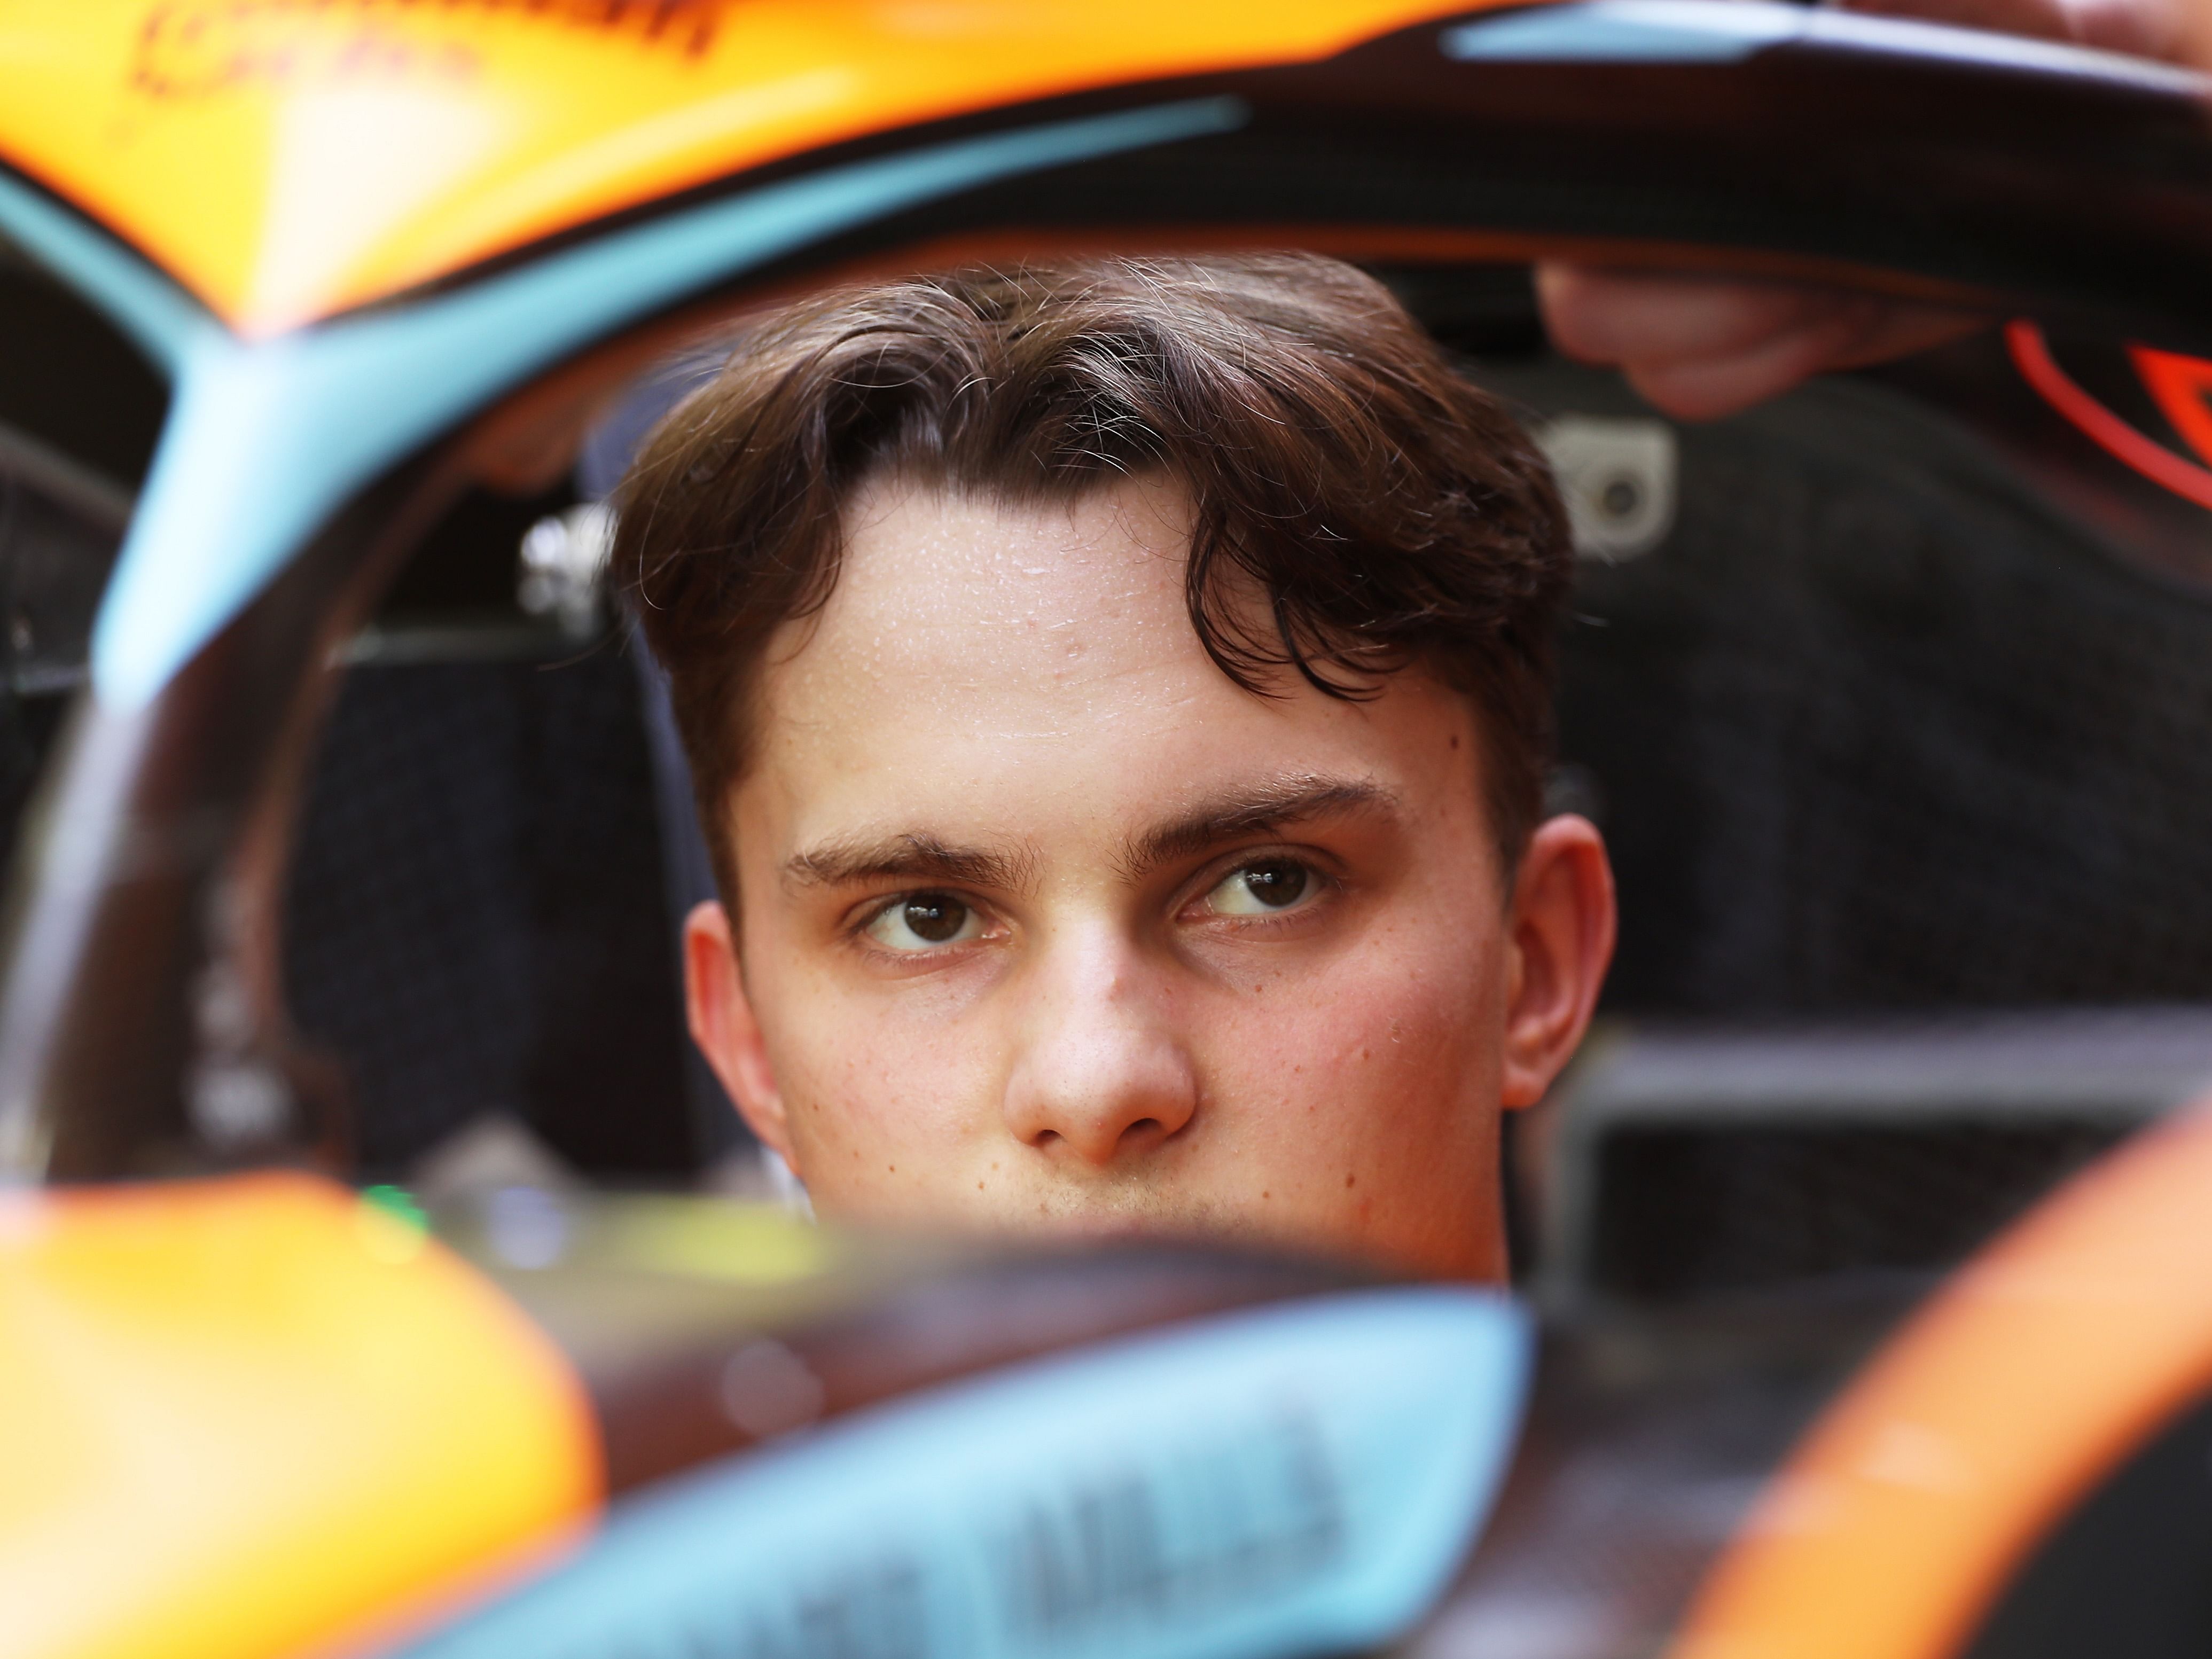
(2039, 1368)
(253, 1415)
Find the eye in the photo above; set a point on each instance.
(924, 921)
(1263, 888)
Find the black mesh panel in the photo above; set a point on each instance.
(477, 920)
(1877, 730)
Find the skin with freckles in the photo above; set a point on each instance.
(1048, 925)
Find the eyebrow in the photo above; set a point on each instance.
(912, 856)
(1271, 805)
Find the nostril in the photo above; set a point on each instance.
(1044, 1137)
(1144, 1128)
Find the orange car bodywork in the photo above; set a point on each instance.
(285, 160)
(2040, 1369)
(245, 1416)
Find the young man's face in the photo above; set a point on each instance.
(1046, 923)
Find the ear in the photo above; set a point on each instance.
(722, 1024)
(1561, 932)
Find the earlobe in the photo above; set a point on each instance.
(1562, 930)
(720, 1015)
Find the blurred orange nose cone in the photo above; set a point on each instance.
(243, 1416)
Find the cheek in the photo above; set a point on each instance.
(870, 1083)
(1401, 1035)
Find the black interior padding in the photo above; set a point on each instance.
(1878, 729)
(1716, 1210)
(477, 919)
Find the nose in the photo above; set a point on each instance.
(1102, 1076)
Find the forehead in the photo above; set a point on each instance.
(975, 656)
(960, 599)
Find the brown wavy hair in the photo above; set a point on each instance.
(1389, 512)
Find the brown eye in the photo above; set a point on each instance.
(1257, 889)
(923, 919)
(1276, 885)
(937, 917)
